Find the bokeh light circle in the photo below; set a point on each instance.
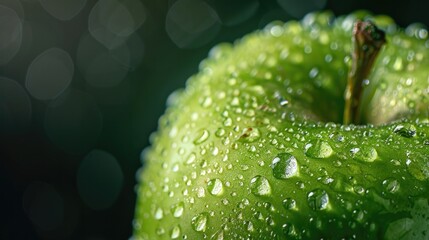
(191, 23)
(15, 107)
(10, 34)
(63, 9)
(49, 74)
(111, 22)
(99, 179)
(100, 66)
(15, 5)
(73, 121)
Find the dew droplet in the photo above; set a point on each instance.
(175, 167)
(250, 135)
(276, 30)
(313, 72)
(318, 199)
(249, 112)
(203, 135)
(177, 209)
(227, 122)
(391, 185)
(406, 130)
(397, 65)
(250, 226)
(359, 189)
(200, 192)
(284, 166)
(220, 132)
(365, 153)
(260, 186)
(215, 187)
(290, 230)
(199, 222)
(409, 82)
(159, 213)
(218, 236)
(419, 170)
(318, 149)
(160, 231)
(191, 158)
(207, 102)
(175, 232)
(289, 203)
(235, 101)
(358, 215)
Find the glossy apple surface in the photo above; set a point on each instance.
(254, 147)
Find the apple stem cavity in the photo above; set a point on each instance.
(368, 41)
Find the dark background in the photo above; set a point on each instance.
(68, 158)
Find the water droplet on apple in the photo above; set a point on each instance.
(250, 134)
(313, 72)
(249, 226)
(177, 209)
(191, 158)
(416, 30)
(200, 192)
(276, 30)
(284, 102)
(159, 213)
(318, 199)
(364, 153)
(203, 135)
(406, 130)
(175, 167)
(318, 149)
(207, 102)
(218, 236)
(359, 189)
(249, 112)
(391, 185)
(199, 222)
(215, 187)
(290, 230)
(409, 82)
(358, 215)
(284, 166)
(160, 231)
(260, 186)
(220, 132)
(398, 65)
(289, 204)
(175, 232)
(227, 122)
(419, 170)
(328, 58)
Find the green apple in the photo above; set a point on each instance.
(302, 130)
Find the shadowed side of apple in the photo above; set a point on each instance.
(255, 146)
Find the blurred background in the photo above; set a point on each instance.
(82, 85)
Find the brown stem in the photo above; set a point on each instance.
(368, 40)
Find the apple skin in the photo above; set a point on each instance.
(253, 147)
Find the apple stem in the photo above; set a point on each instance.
(368, 40)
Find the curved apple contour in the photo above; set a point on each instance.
(250, 150)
